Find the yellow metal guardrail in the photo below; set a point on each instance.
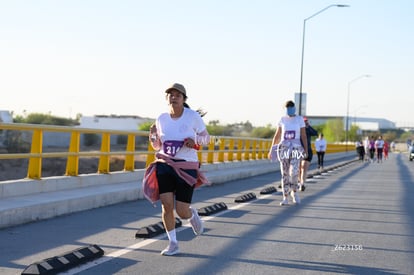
(220, 149)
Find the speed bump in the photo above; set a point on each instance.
(64, 262)
(154, 229)
(245, 197)
(212, 209)
(268, 190)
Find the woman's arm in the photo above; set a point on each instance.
(276, 140)
(304, 139)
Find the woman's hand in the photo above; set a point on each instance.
(153, 129)
(190, 143)
(154, 138)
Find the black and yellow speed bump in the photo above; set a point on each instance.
(245, 197)
(155, 229)
(268, 190)
(212, 209)
(65, 262)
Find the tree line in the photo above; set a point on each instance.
(333, 130)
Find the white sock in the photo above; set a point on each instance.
(172, 236)
(192, 215)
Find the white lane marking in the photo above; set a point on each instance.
(121, 252)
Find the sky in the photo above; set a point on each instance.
(239, 60)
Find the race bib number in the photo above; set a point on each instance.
(171, 147)
(290, 135)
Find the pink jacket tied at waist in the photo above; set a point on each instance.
(150, 181)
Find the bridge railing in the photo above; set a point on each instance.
(220, 149)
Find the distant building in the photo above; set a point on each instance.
(102, 122)
(113, 122)
(364, 123)
(6, 117)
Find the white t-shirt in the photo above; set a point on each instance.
(320, 145)
(172, 133)
(291, 129)
(379, 143)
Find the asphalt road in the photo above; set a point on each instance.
(358, 219)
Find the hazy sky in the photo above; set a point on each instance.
(239, 59)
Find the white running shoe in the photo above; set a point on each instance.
(196, 222)
(284, 201)
(172, 249)
(295, 197)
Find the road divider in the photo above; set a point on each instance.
(154, 229)
(245, 197)
(65, 262)
(212, 209)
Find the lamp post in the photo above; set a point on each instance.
(303, 49)
(347, 108)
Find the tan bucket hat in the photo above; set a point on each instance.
(178, 87)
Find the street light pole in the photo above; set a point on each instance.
(303, 49)
(347, 108)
